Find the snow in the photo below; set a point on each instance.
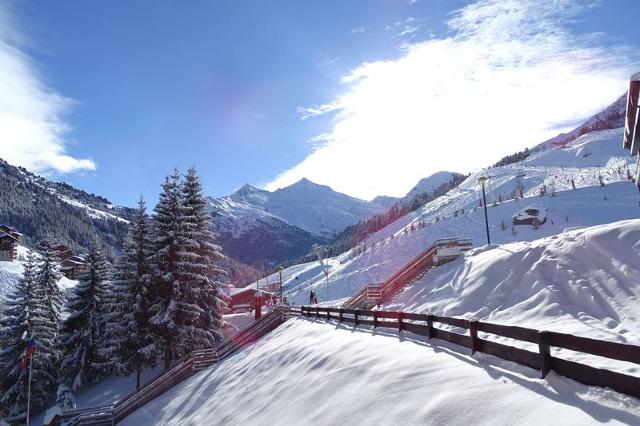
(457, 214)
(583, 282)
(314, 208)
(429, 184)
(311, 372)
(11, 273)
(92, 212)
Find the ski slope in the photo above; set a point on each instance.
(458, 214)
(308, 372)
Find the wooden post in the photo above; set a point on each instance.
(317, 311)
(473, 332)
(430, 325)
(375, 319)
(328, 313)
(545, 353)
(399, 322)
(355, 318)
(339, 314)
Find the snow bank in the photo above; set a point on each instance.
(584, 281)
(308, 372)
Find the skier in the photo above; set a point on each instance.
(311, 297)
(315, 298)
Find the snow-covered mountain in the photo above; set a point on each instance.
(430, 184)
(611, 117)
(38, 207)
(258, 226)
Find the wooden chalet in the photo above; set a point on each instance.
(244, 299)
(9, 240)
(632, 122)
(74, 266)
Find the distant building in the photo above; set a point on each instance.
(9, 240)
(244, 299)
(73, 266)
(632, 122)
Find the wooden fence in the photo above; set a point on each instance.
(543, 360)
(188, 365)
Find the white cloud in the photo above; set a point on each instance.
(504, 79)
(358, 30)
(32, 127)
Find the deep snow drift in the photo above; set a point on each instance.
(307, 372)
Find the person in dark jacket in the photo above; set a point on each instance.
(311, 297)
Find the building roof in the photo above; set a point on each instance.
(5, 235)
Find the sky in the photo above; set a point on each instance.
(366, 96)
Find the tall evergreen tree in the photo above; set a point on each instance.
(82, 333)
(165, 290)
(47, 278)
(204, 260)
(26, 315)
(129, 340)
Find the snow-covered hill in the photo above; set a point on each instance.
(582, 281)
(458, 213)
(430, 184)
(38, 207)
(308, 372)
(611, 117)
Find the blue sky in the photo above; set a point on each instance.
(269, 92)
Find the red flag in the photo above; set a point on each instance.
(31, 347)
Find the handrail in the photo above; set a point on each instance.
(358, 298)
(423, 324)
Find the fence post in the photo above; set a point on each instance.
(375, 319)
(339, 314)
(473, 332)
(355, 318)
(317, 311)
(545, 353)
(430, 325)
(400, 321)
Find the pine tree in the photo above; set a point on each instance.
(82, 333)
(166, 291)
(129, 341)
(187, 304)
(26, 315)
(205, 260)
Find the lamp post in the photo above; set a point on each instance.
(483, 182)
(281, 295)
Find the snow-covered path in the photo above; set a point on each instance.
(308, 372)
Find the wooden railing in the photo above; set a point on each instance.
(189, 364)
(542, 359)
(409, 272)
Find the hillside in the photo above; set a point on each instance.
(457, 213)
(38, 207)
(308, 372)
(581, 281)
